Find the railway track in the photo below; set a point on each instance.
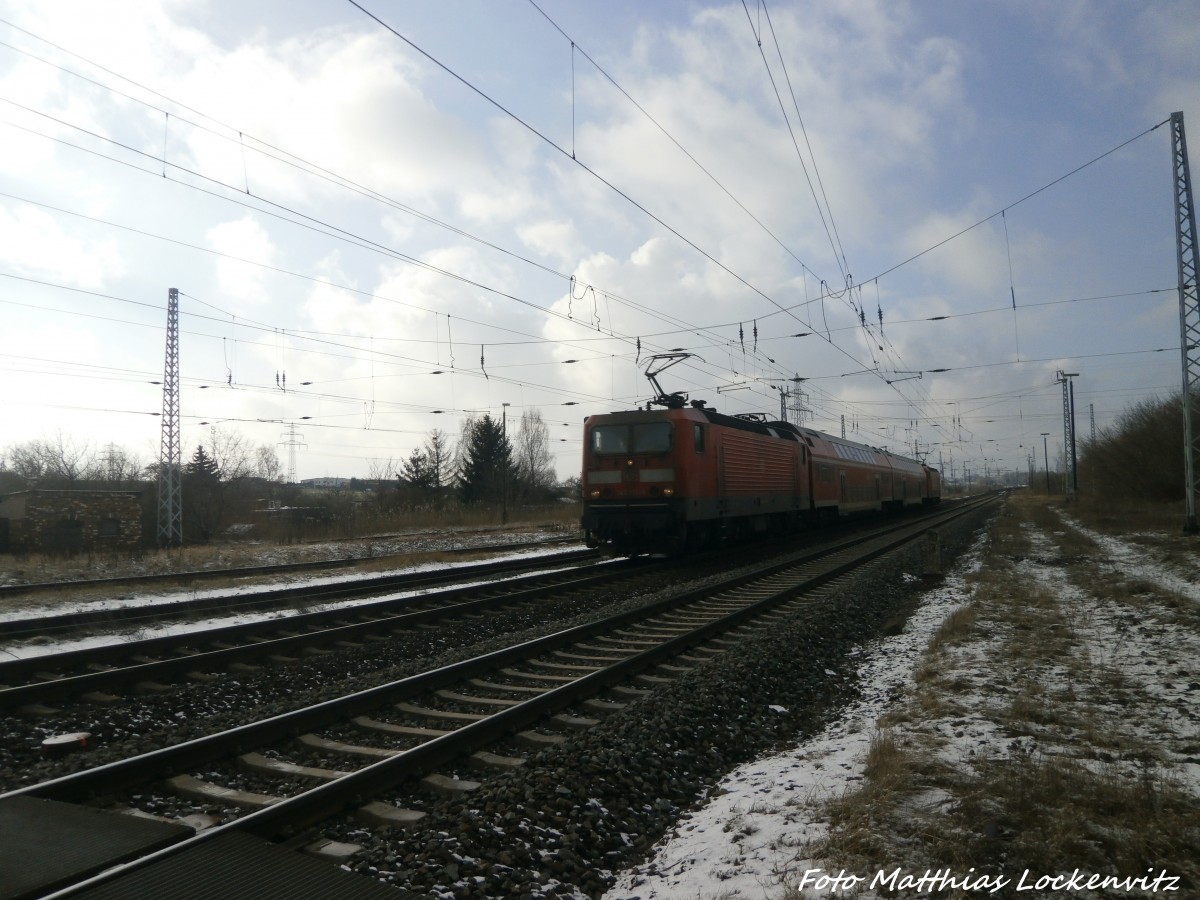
(275, 570)
(427, 732)
(101, 671)
(278, 598)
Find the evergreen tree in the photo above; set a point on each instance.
(202, 467)
(203, 496)
(485, 473)
(418, 471)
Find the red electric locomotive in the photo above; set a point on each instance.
(665, 479)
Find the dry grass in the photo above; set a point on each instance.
(1078, 785)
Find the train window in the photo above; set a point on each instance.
(652, 438)
(698, 432)
(610, 439)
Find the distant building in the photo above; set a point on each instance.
(65, 522)
(326, 482)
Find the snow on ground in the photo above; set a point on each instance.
(745, 841)
(752, 838)
(25, 647)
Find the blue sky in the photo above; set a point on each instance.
(918, 121)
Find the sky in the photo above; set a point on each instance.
(385, 218)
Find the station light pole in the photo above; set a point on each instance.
(504, 482)
(1046, 452)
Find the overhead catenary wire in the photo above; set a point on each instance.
(764, 337)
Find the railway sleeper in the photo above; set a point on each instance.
(100, 697)
(151, 687)
(515, 688)
(447, 786)
(654, 679)
(196, 821)
(392, 728)
(639, 640)
(540, 676)
(449, 715)
(626, 691)
(484, 760)
(673, 669)
(383, 814)
(538, 740)
(256, 762)
(38, 710)
(711, 651)
(336, 852)
(316, 742)
(652, 629)
(471, 700)
(614, 653)
(579, 723)
(603, 705)
(564, 667)
(574, 654)
(198, 789)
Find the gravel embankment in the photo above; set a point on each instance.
(571, 815)
(138, 724)
(560, 825)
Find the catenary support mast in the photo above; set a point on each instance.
(1189, 317)
(170, 493)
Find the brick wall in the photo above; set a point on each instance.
(66, 522)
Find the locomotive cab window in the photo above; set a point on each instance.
(610, 439)
(698, 432)
(652, 438)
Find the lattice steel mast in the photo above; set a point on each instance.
(1189, 317)
(170, 470)
(1070, 478)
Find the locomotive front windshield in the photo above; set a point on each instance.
(651, 437)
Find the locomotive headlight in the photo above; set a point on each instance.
(596, 492)
(667, 492)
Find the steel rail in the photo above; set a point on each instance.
(274, 598)
(296, 813)
(316, 565)
(373, 621)
(125, 773)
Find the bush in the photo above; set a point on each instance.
(1140, 456)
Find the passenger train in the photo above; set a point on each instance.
(685, 476)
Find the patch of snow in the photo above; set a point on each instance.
(750, 835)
(23, 647)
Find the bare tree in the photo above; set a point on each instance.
(381, 470)
(52, 461)
(531, 455)
(117, 465)
(266, 463)
(232, 453)
(439, 458)
(458, 458)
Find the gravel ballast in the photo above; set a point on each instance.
(573, 815)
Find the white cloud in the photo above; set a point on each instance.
(34, 243)
(240, 281)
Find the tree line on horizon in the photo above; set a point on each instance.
(226, 478)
